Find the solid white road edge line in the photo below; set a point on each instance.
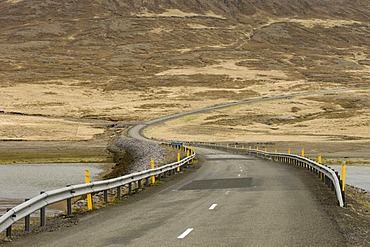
(185, 233)
(213, 206)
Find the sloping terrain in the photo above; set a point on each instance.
(71, 69)
(129, 60)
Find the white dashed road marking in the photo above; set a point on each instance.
(189, 230)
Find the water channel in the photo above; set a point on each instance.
(18, 182)
(358, 176)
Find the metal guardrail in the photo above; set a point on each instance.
(49, 197)
(326, 174)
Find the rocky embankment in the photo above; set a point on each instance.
(132, 155)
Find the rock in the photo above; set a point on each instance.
(142, 152)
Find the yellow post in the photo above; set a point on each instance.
(275, 150)
(227, 145)
(153, 177)
(243, 147)
(289, 151)
(257, 147)
(187, 155)
(250, 147)
(178, 159)
(265, 149)
(302, 154)
(343, 176)
(319, 159)
(89, 199)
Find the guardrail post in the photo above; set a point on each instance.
(69, 207)
(178, 160)
(191, 153)
(105, 196)
(326, 180)
(69, 203)
(139, 185)
(88, 196)
(42, 214)
(119, 192)
(152, 166)
(27, 221)
(9, 229)
(319, 159)
(343, 183)
(130, 188)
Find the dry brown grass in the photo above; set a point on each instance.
(65, 66)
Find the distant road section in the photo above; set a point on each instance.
(135, 132)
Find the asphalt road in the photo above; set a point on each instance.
(231, 200)
(136, 129)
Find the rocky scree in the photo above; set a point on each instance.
(132, 155)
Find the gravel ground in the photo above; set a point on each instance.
(142, 152)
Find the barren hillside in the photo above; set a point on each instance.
(129, 60)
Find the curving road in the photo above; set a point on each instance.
(232, 200)
(136, 131)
